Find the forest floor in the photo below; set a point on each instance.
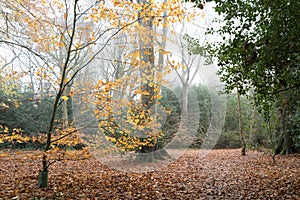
(221, 174)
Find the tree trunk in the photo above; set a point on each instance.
(43, 179)
(284, 145)
(184, 103)
(287, 143)
(66, 108)
(65, 120)
(148, 100)
(152, 154)
(43, 174)
(242, 137)
(287, 140)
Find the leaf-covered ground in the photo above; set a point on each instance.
(222, 174)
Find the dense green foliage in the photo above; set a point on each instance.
(259, 57)
(23, 111)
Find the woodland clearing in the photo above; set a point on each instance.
(222, 174)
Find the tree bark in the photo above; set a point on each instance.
(287, 143)
(149, 154)
(242, 137)
(65, 114)
(67, 107)
(184, 107)
(284, 145)
(43, 179)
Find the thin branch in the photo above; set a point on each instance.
(70, 133)
(62, 85)
(25, 47)
(286, 89)
(11, 61)
(101, 49)
(50, 163)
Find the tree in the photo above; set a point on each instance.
(259, 55)
(50, 28)
(137, 91)
(62, 38)
(242, 136)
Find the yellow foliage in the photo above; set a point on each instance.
(5, 129)
(136, 116)
(65, 98)
(48, 31)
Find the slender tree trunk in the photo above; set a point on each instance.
(184, 106)
(242, 137)
(43, 174)
(66, 108)
(65, 114)
(32, 84)
(41, 87)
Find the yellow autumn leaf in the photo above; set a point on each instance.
(5, 130)
(113, 139)
(65, 98)
(116, 3)
(136, 121)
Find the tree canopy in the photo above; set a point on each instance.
(259, 56)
